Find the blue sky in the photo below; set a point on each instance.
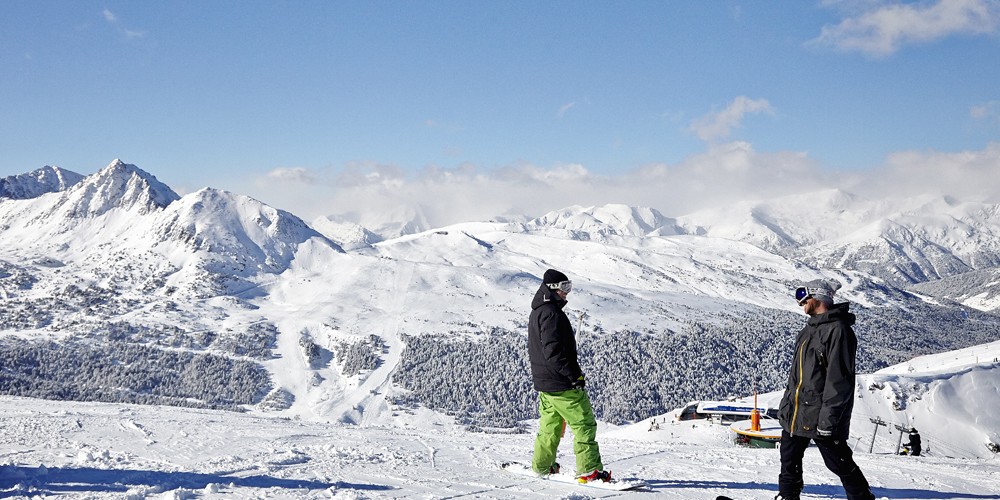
(299, 102)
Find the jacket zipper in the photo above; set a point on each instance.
(798, 388)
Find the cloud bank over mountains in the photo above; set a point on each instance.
(723, 174)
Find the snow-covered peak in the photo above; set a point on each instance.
(348, 235)
(384, 224)
(236, 228)
(592, 223)
(119, 185)
(786, 222)
(47, 179)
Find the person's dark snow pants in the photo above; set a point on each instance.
(838, 457)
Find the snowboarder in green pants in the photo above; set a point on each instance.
(559, 381)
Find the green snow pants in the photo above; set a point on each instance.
(573, 407)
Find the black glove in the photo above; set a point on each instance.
(579, 383)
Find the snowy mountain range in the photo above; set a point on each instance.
(207, 241)
(904, 241)
(217, 300)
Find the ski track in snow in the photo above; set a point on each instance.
(368, 398)
(105, 451)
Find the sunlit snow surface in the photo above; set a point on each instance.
(92, 450)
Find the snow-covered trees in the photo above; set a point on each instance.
(115, 371)
(484, 383)
(361, 355)
(634, 375)
(630, 376)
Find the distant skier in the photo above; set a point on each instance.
(559, 381)
(913, 447)
(819, 398)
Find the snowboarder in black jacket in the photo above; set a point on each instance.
(819, 398)
(556, 373)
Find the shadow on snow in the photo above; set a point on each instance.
(833, 491)
(56, 480)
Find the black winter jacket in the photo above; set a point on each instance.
(551, 344)
(820, 391)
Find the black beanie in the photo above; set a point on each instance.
(553, 276)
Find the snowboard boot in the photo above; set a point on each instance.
(553, 469)
(597, 475)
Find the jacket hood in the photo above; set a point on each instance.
(838, 312)
(545, 295)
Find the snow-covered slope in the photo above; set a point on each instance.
(104, 451)
(646, 284)
(952, 398)
(978, 289)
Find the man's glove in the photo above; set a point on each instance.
(579, 383)
(824, 433)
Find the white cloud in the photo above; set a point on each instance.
(882, 31)
(966, 175)
(723, 174)
(986, 111)
(129, 34)
(290, 174)
(718, 125)
(466, 193)
(564, 108)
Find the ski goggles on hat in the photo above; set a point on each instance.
(803, 293)
(563, 286)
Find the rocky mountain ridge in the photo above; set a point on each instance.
(47, 179)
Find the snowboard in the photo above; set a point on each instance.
(612, 485)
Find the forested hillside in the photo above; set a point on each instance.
(633, 375)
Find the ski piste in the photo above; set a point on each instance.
(613, 485)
